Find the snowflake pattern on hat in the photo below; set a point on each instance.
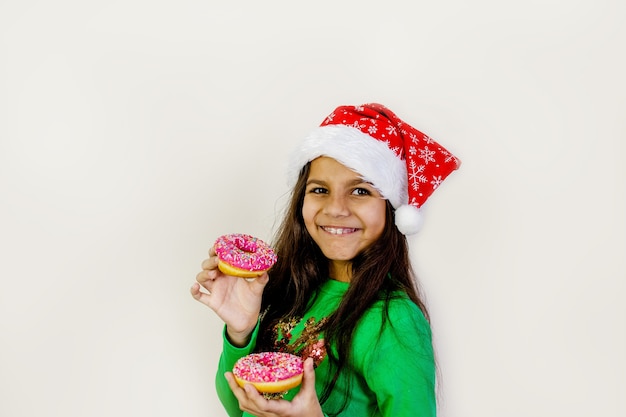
(427, 162)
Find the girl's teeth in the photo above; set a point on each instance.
(336, 231)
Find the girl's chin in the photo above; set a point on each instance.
(342, 256)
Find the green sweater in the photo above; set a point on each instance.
(393, 371)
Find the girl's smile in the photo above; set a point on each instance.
(338, 230)
(343, 214)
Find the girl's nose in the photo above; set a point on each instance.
(336, 205)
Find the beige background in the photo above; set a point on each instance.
(132, 133)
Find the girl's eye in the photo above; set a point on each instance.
(361, 191)
(318, 190)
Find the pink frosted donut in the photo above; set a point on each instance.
(243, 255)
(269, 372)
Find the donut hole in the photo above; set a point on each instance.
(248, 246)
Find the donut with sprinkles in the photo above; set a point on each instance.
(269, 372)
(244, 256)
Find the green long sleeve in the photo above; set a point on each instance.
(230, 355)
(398, 367)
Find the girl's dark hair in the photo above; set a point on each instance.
(378, 272)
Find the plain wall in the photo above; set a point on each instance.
(133, 133)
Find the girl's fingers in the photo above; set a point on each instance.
(235, 388)
(200, 296)
(249, 398)
(210, 263)
(260, 280)
(206, 275)
(202, 276)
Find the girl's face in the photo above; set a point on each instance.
(343, 214)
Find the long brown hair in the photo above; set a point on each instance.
(380, 272)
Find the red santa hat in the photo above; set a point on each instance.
(404, 164)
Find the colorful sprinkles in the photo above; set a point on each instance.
(245, 252)
(268, 367)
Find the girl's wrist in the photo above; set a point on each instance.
(238, 339)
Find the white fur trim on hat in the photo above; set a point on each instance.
(369, 157)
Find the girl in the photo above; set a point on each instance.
(342, 294)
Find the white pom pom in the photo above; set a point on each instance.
(408, 219)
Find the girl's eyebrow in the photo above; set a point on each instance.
(356, 181)
(361, 181)
(314, 181)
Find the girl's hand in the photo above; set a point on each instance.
(235, 300)
(304, 404)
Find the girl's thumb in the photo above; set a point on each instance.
(308, 379)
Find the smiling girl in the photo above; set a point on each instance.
(343, 294)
